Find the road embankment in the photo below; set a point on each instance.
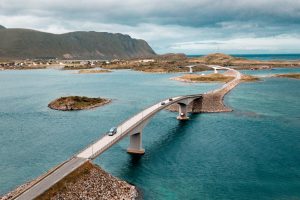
(213, 101)
(88, 181)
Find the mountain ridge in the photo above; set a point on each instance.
(18, 43)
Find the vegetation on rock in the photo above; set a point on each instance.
(213, 78)
(291, 75)
(77, 103)
(93, 71)
(25, 43)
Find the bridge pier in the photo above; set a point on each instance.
(182, 112)
(135, 146)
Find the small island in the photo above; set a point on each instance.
(93, 71)
(216, 77)
(291, 75)
(72, 103)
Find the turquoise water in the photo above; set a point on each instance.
(264, 56)
(251, 153)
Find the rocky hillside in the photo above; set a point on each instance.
(219, 58)
(2, 27)
(25, 43)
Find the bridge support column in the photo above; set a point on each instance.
(135, 146)
(182, 112)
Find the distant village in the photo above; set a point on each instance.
(44, 63)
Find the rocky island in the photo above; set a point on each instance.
(291, 75)
(77, 103)
(93, 71)
(216, 77)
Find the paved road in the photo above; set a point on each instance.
(105, 142)
(123, 129)
(46, 183)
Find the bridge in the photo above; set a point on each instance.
(132, 127)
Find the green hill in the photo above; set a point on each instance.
(25, 43)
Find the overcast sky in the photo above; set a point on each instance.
(188, 26)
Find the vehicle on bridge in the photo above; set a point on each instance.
(162, 103)
(112, 131)
(170, 99)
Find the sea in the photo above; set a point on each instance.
(250, 153)
(263, 56)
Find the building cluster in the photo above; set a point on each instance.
(47, 62)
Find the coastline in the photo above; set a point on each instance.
(89, 177)
(64, 104)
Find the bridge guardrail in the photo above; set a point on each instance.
(141, 116)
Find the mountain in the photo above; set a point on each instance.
(25, 43)
(2, 27)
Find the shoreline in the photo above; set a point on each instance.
(62, 103)
(212, 101)
(215, 96)
(89, 177)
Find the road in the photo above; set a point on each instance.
(105, 142)
(46, 183)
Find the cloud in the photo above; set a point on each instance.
(164, 24)
(283, 43)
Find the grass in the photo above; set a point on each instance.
(159, 66)
(76, 102)
(95, 71)
(207, 78)
(75, 67)
(249, 78)
(292, 75)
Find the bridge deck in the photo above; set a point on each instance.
(52, 178)
(103, 144)
(123, 129)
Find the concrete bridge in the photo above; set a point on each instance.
(132, 127)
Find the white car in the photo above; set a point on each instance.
(112, 131)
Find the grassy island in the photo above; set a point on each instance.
(77, 67)
(206, 78)
(194, 78)
(249, 78)
(93, 71)
(291, 75)
(77, 103)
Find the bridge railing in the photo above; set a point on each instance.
(129, 124)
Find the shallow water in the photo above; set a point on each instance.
(251, 153)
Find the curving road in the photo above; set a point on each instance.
(105, 142)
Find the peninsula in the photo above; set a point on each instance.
(166, 63)
(72, 103)
(93, 71)
(214, 77)
(291, 75)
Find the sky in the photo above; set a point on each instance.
(178, 26)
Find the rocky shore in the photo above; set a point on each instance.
(93, 71)
(243, 63)
(209, 78)
(90, 182)
(72, 103)
(85, 183)
(291, 75)
(212, 101)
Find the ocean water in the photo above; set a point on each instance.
(264, 56)
(251, 153)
